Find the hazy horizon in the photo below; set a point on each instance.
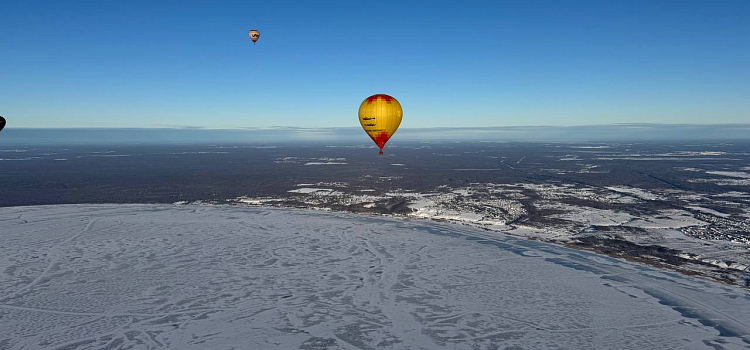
(583, 133)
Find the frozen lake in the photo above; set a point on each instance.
(222, 277)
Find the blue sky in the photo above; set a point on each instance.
(450, 64)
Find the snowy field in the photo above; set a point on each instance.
(224, 277)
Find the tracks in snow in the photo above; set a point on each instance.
(54, 259)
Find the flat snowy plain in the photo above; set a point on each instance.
(224, 277)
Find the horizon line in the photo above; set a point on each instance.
(197, 128)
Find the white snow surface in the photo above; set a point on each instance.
(670, 218)
(227, 277)
(739, 174)
(590, 216)
(312, 190)
(708, 211)
(640, 193)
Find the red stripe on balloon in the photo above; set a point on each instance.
(385, 97)
(380, 139)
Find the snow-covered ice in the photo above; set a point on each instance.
(227, 277)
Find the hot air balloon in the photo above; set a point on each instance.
(2, 123)
(254, 35)
(380, 116)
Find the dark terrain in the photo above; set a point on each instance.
(170, 173)
(688, 203)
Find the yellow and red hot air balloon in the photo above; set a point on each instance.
(380, 116)
(254, 35)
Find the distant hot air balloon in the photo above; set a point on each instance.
(380, 116)
(254, 35)
(2, 123)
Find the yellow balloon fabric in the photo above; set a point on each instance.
(380, 115)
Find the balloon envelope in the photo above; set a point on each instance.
(2, 123)
(380, 115)
(254, 35)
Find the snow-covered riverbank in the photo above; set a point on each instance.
(217, 277)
